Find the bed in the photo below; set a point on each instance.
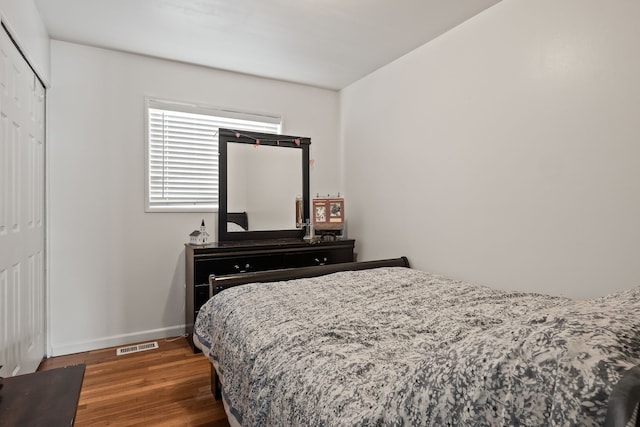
(381, 344)
(237, 221)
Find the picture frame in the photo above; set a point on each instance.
(328, 213)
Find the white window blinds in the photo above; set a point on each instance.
(182, 153)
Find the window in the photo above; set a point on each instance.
(182, 153)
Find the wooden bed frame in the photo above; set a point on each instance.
(240, 218)
(624, 401)
(219, 283)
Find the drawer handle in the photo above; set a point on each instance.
(247, 267)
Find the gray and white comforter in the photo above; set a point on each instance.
(401, 347)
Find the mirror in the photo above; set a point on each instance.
(259, 182)
(260, 176)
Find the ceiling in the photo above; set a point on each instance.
(324, 43)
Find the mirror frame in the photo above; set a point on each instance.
(229, 136)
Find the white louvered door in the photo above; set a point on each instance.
(22, 228)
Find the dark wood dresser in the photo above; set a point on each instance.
(243, 256)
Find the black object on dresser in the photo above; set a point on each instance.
(243, 256)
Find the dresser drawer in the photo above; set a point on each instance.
(236, 264)
(237, 257)
(201, 294)
(318, 257)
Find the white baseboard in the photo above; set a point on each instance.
(115, 340)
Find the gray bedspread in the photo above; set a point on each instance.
(401, 347)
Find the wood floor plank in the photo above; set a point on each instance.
(168, 386)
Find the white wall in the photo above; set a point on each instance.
(23, 20)
(507, 151)
(117, 273)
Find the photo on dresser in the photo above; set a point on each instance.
(328, 213)
(336, 210)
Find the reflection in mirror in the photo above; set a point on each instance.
(263, 181)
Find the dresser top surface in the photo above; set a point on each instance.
(266, 244)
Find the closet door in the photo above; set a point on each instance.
(22, 228)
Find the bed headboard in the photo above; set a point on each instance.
(219, 283)
(240, 218)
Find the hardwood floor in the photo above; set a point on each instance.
(168, 386)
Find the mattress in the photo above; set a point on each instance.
(397, 346)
